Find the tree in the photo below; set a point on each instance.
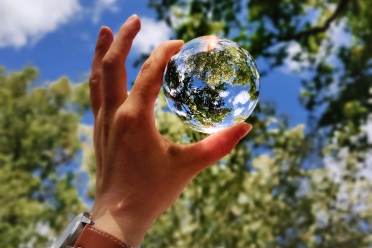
(263, 195)
(265, 199)
(38, 142)
(303, 186)
(267, 28)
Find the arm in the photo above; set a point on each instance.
(139, 173)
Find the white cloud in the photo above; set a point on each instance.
(182, 113)
(338, 37)
(224, 93)
(241, 98)
(238, 111)
(291, 65)
(152, 34)
(102, 5)
(24, 20)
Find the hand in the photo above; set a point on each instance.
(139, 173)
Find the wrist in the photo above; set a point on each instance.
(124, 227)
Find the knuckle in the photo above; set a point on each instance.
(147, 65)
(142, 94)
(108, 62)
(127, 119)
(94, 80)
(127, 37)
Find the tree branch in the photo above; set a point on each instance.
(341, 7)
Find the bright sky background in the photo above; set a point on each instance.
(58, 37)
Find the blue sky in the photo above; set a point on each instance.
(58, 37)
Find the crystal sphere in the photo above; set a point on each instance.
(211, 84)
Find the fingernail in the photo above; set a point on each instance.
(181, 41)
(246, 128)
(132, 17)
(102, 32)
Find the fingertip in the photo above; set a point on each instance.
(104, 40)
(168, 48)
(244, 129)
(104, 36)
(229, 137)
(215, 146)
(106, 29)
(171, 44)
(106, 33)
(177, 43)
(180, 42)
(133, 21)
(133, 17)
(137, 22)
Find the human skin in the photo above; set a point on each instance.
(140, 174)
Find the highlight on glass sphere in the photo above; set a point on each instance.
(211, 84)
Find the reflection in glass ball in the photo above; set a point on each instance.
(211, 84)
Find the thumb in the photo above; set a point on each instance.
(215, 146)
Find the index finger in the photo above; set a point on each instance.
(149, 80)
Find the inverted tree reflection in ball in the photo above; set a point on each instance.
(211, 84)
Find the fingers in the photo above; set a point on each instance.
(114, 83)
(104, 41)
(149, 80)
(214, 147)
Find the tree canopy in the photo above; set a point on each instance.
(303, 186)
(318, 207)
(38, 143)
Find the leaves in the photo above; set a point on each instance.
(305, 186)
(38, 135)
(284, 187)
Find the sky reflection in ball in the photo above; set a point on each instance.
(211, 84)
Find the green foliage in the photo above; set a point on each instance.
(38, 138)
(194, 102)
(222, 65)
(267, 200)
(263, 194)
(281, 186)
(267, 28)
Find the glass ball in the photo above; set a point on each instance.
(211, 84)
